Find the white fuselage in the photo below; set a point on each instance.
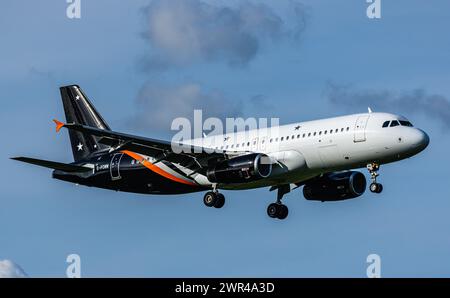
(306, 149)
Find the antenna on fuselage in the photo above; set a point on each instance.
(369, 109)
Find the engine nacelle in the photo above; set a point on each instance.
(241, 169)
(335, 187)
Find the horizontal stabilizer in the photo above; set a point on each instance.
(59, 125)
(53, 165)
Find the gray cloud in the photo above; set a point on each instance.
(182, 32)
(9, 269)
(434, 106)
(185, 32)
(159, 104)
(260, 102)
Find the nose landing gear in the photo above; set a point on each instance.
(374, 187)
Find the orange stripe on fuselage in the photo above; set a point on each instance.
(156, 169)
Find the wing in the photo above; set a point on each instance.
(193, 157)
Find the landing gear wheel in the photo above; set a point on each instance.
(220, 200)
(210, 199)
(214, 199)
(376, 187)
(272, 210)
(276, 210)
(283, 212)
(380, 188)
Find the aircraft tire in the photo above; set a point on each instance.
(283, 212)
(376, 187)
(210, 199)
(220, 200)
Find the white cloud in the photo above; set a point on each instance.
(11, 270)
(159, 104)
(182, 32)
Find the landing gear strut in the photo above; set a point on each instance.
(373, 170)
(278, 210)
(214, 199)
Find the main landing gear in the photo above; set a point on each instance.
(373, 170)
(214, 199)
(275, 210)
(278, 210)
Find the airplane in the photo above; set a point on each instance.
(319, 156)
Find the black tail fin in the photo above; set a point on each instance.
(79, 110)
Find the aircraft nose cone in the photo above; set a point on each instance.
(420, 140)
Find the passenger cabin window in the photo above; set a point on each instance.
(394, 123)
(386, 123)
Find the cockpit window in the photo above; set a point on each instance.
(394, 123)
(397, 123)
(406, 123)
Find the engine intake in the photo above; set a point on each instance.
(241, 169)
(335, 187)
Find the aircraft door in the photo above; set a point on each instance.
(360, 128)
(115, 166)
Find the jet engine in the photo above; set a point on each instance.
(335, 186)
(241, 169)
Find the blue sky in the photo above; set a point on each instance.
(108, 51)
